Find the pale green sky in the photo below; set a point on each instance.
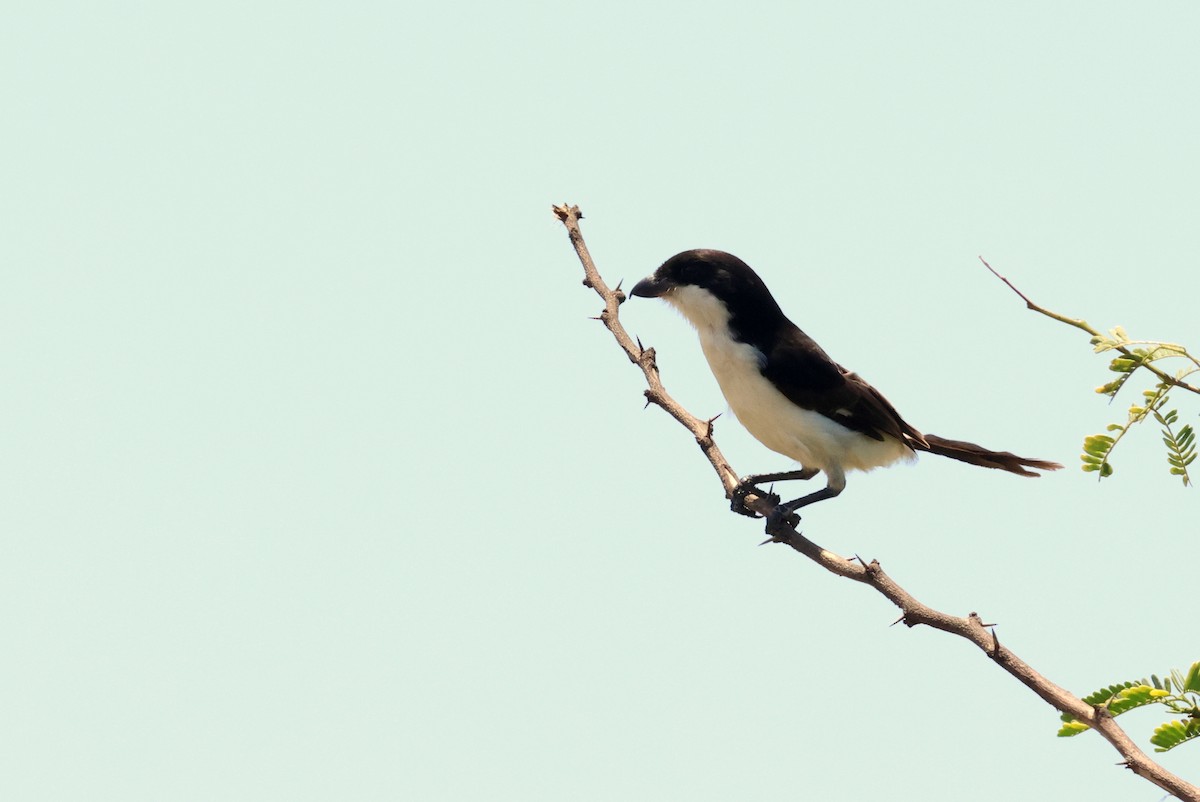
(318, 483)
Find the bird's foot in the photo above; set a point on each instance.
(780, 516)
(737, 499)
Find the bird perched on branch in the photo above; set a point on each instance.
(786, 390)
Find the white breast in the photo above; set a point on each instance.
(810, 438)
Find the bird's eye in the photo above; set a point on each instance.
(692, 274)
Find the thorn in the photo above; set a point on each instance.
(897, 621)
(768, 540)
(595, 317)
(641, 348)
(860, 559)
(995, 644)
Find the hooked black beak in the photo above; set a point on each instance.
(650, 287)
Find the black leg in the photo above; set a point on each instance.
(787, 512)
(812, 498)
(783, 476)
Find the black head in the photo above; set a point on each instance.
(727, 277)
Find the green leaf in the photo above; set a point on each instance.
(1072, 728)
(1192, 681)
(1181, 448)
(1163, 351)
(1171, 734)
(1104, 694)
(1134, 697)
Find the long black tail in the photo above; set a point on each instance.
(978, 455)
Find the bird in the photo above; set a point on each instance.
(787, 392)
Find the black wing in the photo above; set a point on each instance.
(806, 375)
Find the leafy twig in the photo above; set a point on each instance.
(1132, 356)
(1176, 381)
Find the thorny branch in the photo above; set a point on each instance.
(970, 627)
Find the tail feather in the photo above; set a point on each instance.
(986, 458)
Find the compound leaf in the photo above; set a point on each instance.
(1171, 734)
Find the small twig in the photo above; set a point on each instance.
(1084, 326)
(914, 612)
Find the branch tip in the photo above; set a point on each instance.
(567, 211)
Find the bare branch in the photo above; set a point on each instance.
(1083, 325)
(971, 627)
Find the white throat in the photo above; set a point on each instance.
(703, 310)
